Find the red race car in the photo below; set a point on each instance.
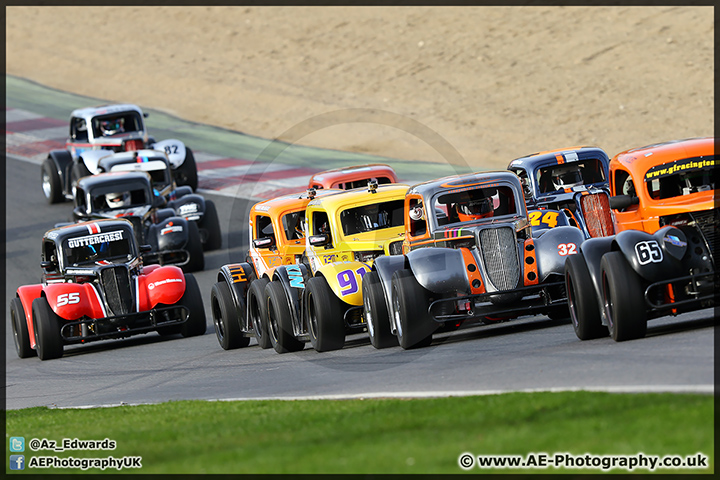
(94, 287)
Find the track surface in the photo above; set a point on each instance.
(532, 353)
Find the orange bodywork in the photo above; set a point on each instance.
(353, 177)
(649, 164)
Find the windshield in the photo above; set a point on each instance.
(116, 124)
(568, 175)
(683, 177)
(119, 197)
(100, 247)
(368, 218)
(293, 225)
(474, 204)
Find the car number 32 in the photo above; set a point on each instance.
(567, 249)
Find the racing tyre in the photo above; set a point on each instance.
(186, 174)
(192, 299)
(79, 170)
(280, 331)
(21, 334)
(225, 318)
(257, 309)
(582, 301)
(211, 224)
(51, 182)
(375, 311)
(410, 302)
(47, 330)
(195, 250)
(623, 298)
(324, 312)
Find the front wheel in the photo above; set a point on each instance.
(279, 323)
(257, 309)
(225, 318)
(51, 182)
(21, 333)
(324, 312)
(623, 297)
(186, 174)
(192, 299)
(582, 302)
(46, 324)
(410, 302)
(375, 311)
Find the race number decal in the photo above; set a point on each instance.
(295, 276)
(171, 149)
(567, 249)
(68, 299)
(648, 252)
(237, 274)
(548, 219)
(348, 282)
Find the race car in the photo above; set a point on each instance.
(94, 286)
(662, 261)
(238, 301)
(129, 195)
(347, 178)
(96, 132)
(191, 206)
(468, 253)
(567, 186)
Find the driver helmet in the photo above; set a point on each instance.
(118, 199)
(417, 212)
(475, 209)
(112, 126)
(566, 177)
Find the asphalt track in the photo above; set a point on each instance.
(528, 354)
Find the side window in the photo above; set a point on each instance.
(49, 253)
(321, 225)
(293, 225)
(78, 130)
(623, 184)
(417, 218)
(264, 227)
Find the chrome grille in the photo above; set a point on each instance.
(116, 286)
(707, 222)
(596, 212)
(500, 257)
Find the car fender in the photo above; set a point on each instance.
(27, 294)
(293, 279)
(439, 270)
(238, 276)
(63, 161)
(163, 214)
(592, 251)
(553, 247)
(171, 233)
(190, 206)
(386, 265)
(71, 301)
(164, 285)
(180, 192)
(654, 257)
(174, 149)
(345, 280)
(91, 159)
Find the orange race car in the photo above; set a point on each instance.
(662, 261)
(346, 178)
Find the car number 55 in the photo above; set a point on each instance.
(68, 299)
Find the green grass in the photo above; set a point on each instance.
(379, 435)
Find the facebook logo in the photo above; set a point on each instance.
(17, 444)
(17, 462)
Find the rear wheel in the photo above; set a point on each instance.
(21, 333)
(623, 298)
(257, 309)
(192, 299)
(194, 249)
(186, 174)
(225, 318)
(46, 324)
(410, 303)
(279, 322)
(324, 312)
(211, 224)
(582, 301)
(375, 311)
(51, 182)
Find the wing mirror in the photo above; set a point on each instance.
(48, 265)
(265, 242)
(621, 202)
(145, 249)
(319, 240)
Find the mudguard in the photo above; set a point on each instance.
(175, 150)
(238, 276)
(592, 251)
(440, 270)
(91, 158)
(542, 220)
(71, 301)
(180, 192)
(171, 234)
(164, 285)
(345, 280)
(293, 279)
(189, 206)
(63, 161)
(163, 214)
(27, 294)
(385, 266)
(553, 247)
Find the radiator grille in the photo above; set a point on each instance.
(500, 257)
(116, 285)
(707, 222)
(596, 212)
